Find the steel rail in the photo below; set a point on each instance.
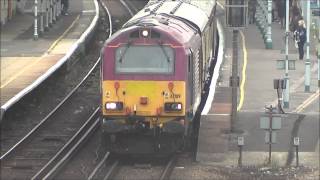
(52, 168)
(69, 149)
(105, 8)
(112, 171)
(169, 168)
(126, 4)
(127, 7)
(43, 121)
(131, 4)
(94, 172)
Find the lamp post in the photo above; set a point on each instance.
(234, 78)
(50, 13)
(41, 18)
(47, 16)
(286, 77)
(307, 62)
(236, 18)
(54, 11)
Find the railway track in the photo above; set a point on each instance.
(42, 143)
(52, 141)
(42, 160)
(16, 128)
(33, 157)
(110, 168)
(82, 161)
(22, 117)
(70, 148)
(169, 168)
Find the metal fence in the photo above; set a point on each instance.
(263, 20)
(46, 12)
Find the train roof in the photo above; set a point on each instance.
(204, 5)
(195, 12)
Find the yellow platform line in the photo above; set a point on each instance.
(54, 44)
(244, 69)
(63, 35)
(307, 102)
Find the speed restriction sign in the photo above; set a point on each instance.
(296, 141)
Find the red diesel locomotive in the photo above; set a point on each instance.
(153, 75)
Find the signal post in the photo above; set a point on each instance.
(236, 19)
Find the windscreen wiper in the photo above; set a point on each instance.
(164, 51)
(124, 51)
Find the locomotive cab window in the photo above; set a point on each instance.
(145, 59)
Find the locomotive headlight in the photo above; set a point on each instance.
(114, 106)
(111, 105)
(173, 106)
(145, 33)
(179, 106)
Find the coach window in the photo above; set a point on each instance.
(145, 59)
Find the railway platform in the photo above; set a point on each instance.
(26, 62)
(257, 70)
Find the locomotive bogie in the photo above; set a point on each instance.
(141, 144)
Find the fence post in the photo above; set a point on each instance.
(50, 13)
(269, 32)
(260, 16)
(35, 34)
(58, 8)
(265, 20)
(47, 16)
(41, 17)
(54, 11)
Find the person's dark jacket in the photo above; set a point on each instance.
(301, 34)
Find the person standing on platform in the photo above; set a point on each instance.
(65, 7)
(295, 18)
(281, 6)
(274, 9)
(252, 10)
(300, 36)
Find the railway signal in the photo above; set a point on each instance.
(269, 123)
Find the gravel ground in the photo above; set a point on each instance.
(197, 171)
(187, 169)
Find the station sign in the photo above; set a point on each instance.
(281, 64)
(240, 141)
(296, 141)
(273, 137)
(265, 122)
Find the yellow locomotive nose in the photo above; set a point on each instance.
(145, 98)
